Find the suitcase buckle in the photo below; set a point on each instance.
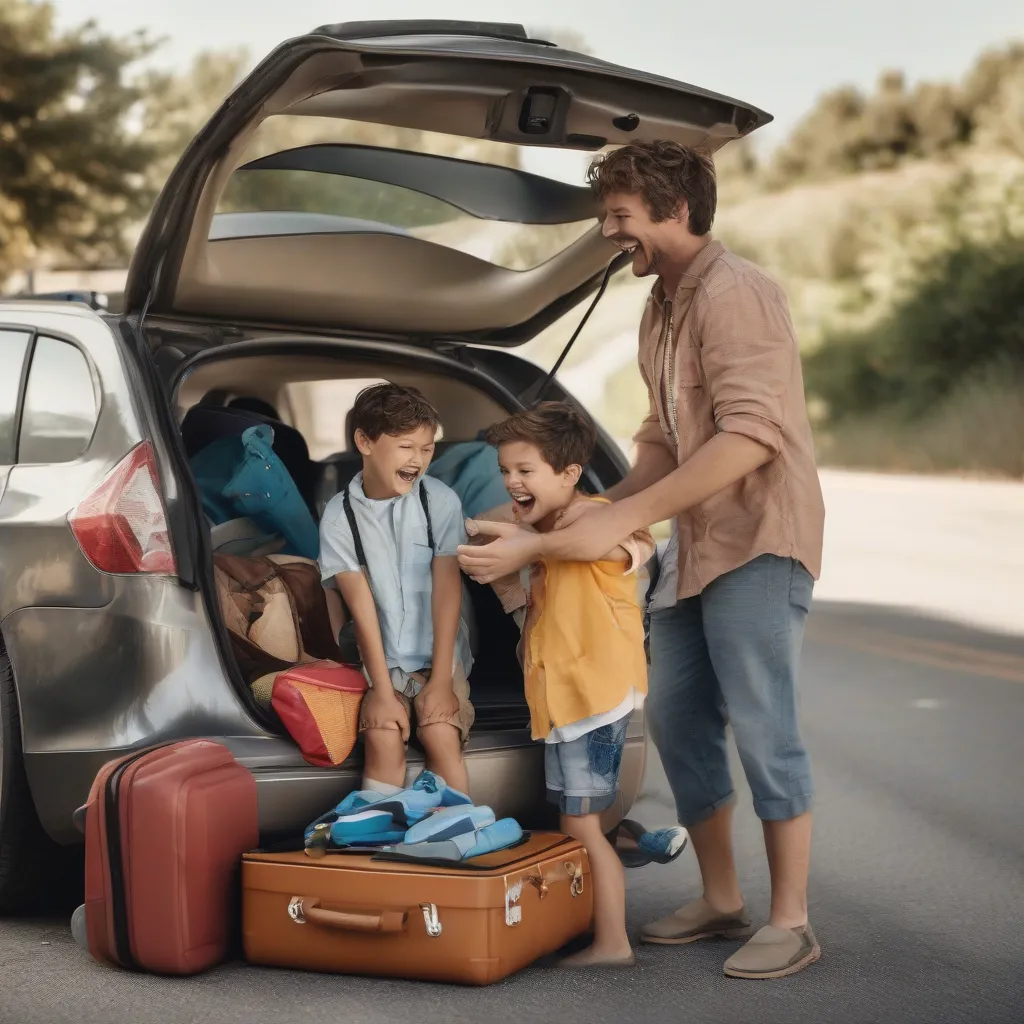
(576, 874)
(431, 920)
(295, 910)
(537, 881)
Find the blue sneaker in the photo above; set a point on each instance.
(489, 839)
(354, 801)
(384, 819)
(447, 822)
(664, 845)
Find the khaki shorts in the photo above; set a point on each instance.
(407, 688)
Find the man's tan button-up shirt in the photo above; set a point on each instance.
(723, 356)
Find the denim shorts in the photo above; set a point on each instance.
(582, 776)
(729, 657)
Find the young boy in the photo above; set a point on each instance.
(388, 542)
(582, 649)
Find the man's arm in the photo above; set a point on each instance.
(716, 465)
(652, 462)
(747, 350)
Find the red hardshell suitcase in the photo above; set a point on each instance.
(165, 830)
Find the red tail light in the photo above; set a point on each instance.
(122, 526)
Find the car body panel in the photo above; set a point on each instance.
(104, 664)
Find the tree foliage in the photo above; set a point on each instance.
(964, 317)
(73, 173)
(848, 131)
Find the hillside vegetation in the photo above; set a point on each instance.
(896, 223)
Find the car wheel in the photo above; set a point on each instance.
(26, 851)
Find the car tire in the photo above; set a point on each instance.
(27, 854)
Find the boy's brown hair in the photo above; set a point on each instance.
(392, 409)
(563, 434)
(663, 174)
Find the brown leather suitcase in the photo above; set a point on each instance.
(165, 830)
(473, 923)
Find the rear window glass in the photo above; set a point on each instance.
(60, 409)
(320, 411)
(372, 204)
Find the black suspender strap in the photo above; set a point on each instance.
(351, 517)
(357, 540)
(426, 512)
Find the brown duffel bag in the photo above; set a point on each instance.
(473, 923)
(277, 612)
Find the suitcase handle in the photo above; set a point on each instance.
(303, 909)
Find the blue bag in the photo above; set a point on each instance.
(242, 476)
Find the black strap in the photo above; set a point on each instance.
(357, 540)
(426, 512)
(533, 394)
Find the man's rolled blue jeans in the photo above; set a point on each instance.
(729, 656)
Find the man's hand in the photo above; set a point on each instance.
(436, 702)
(383, 710)
(514, 548)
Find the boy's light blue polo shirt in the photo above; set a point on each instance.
(398, 556)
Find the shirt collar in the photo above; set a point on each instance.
(699, 266)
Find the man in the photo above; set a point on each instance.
(726, 452)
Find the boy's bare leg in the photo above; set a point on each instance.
(611, 943)
(442, 743)
(384, 756)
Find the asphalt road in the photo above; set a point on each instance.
(917, 889)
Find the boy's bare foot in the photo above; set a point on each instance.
(594, 957)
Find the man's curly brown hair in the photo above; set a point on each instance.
(664, 174)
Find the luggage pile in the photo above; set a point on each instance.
(421, 885)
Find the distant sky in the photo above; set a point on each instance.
(777, 54)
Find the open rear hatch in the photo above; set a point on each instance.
(477, 81)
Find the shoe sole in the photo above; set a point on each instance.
(683, 940)
(806, 961)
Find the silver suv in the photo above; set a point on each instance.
(377, 263)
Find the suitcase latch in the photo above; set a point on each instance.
(431, 920)
(576, 874)
(296, 911)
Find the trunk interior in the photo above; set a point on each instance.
(305, 390)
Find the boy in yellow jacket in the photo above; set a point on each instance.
(582, 648)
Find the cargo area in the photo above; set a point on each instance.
(306, 398)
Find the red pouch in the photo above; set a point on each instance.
(319, 706)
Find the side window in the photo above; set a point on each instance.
(13, 345)
(59, 413)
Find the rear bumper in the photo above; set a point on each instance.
(506, 773)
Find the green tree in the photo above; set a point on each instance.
(73, 173)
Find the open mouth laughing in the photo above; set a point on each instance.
(408, 476)
(524, 503)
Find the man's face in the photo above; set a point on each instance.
(394, 462)
(628, 223)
